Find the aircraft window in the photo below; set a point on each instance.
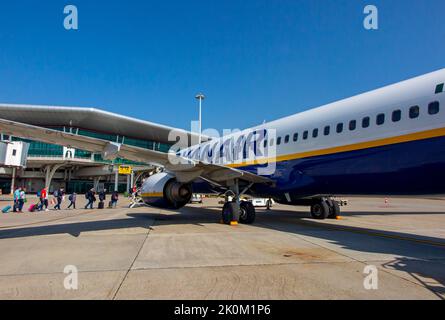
(271, 142)
(315, 133)
(295, 136)
(327, 130)
(414, 112)
(380, 119)
(439, 88)
(286, 139)
(433, 107)
(352, 125)
(278, 141)
(305, 135)
(340, 128)
(396, 115)
(365, 122)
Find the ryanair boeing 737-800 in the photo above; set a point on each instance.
(390, 141)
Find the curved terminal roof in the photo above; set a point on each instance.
(90, 119)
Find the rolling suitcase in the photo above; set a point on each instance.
(32, 208)
(110, 204)
(6, 209)
(101, 205)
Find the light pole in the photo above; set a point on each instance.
(200, 97)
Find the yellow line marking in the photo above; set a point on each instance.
(434, 133)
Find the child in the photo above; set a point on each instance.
(72, 198)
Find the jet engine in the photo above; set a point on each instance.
(162, 190)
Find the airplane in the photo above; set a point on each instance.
(389, 141)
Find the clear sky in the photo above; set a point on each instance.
(255, 60)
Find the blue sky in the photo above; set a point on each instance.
(255, 60)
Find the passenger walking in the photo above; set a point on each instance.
(114, 199)
(22, 198)
(72, 198)
(44, 199)
(102, 198)
(58, 195)
(90, 196)
(16, 199)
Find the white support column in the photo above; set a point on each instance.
(49, 174)
(132, 179)
(96, 183)
(14, 171)
(116, 180)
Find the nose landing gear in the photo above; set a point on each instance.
(236, 210)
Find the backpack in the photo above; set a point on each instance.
(70, 198)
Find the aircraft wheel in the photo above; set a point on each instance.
(320, 210)
(334, 210)
(229, 212)
(247, 213)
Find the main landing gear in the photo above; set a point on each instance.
(325, 208)
(236, 210)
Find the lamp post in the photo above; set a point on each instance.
(200, 97)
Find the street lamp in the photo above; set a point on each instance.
(200, 97)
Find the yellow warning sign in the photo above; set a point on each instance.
(125, 169)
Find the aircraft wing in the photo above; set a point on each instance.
(186, 170)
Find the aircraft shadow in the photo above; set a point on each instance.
(420, 260)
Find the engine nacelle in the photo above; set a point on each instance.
(162, 190)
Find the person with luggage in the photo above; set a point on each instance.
(102, 198)
(22, 199)
(114, 199)
(44, 199)
(90, 196)
(16, 199)
(72, 198)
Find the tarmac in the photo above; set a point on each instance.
(148, 253)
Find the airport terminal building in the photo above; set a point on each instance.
(77, 170)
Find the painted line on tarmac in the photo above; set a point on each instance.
(373, 233)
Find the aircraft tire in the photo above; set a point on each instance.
(247, 213)
(228, 212)
(320, 210)
(334, 210)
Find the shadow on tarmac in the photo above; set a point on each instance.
(421, 257)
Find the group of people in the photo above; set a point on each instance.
(58, 198)
(91, 198)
